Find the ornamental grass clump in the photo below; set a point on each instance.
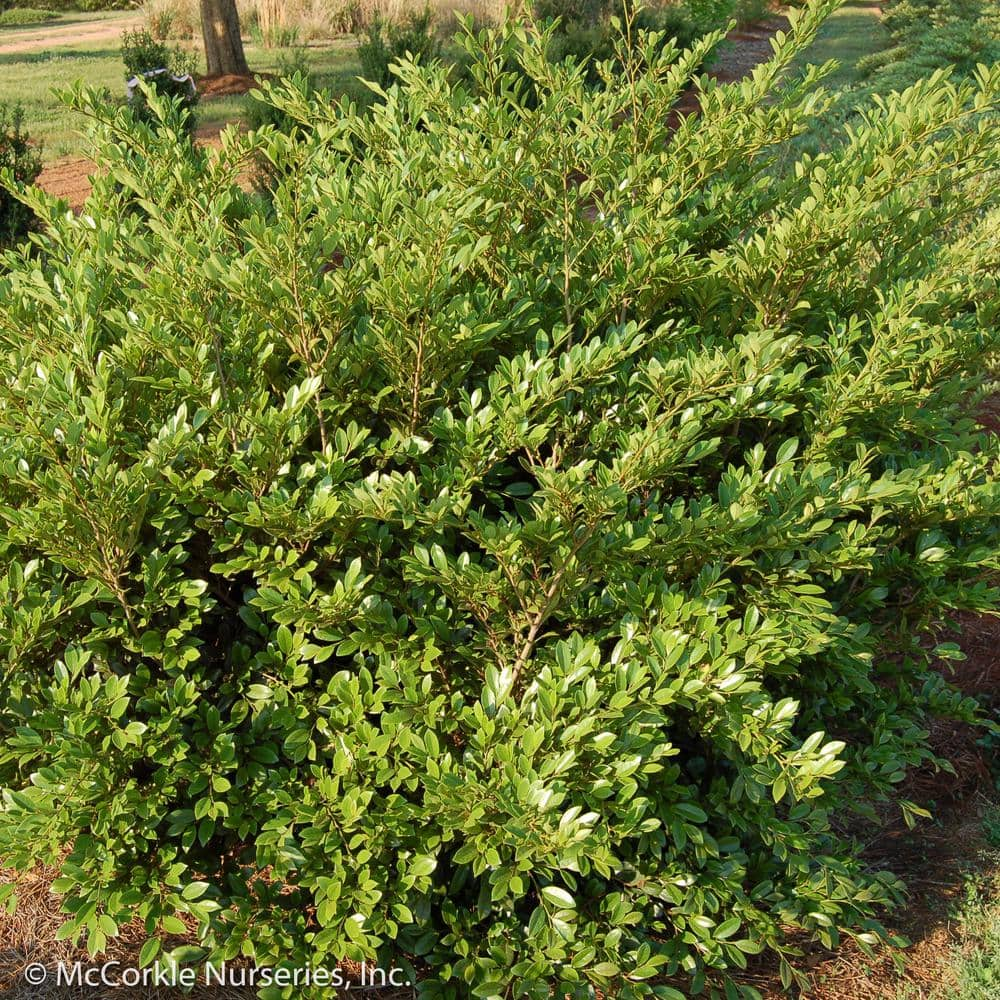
(508, 552)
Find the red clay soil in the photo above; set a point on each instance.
(69, 177)
(229, 84)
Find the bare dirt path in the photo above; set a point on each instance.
(81, 32)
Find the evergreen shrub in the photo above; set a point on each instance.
(582, 30)
(19, 159)
(929, 35)
(168, 71)
(510, 552)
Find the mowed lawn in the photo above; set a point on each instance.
(850, 33)
(28, 78)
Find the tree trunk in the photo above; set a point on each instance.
(220, 27)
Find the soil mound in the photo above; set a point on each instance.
(229, 84)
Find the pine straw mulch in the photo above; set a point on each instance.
(936, 859)
(936, 862)
(29, 937)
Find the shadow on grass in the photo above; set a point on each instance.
(56, 55)
(7, 27)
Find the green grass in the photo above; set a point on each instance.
(972, 968)
(28, 78)
(46, 19)
(974, 964)
(19, 17)
(334, 65)
(851, 33)
(976, 967)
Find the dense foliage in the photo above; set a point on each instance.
(928, 35)
(13, 17)
(582, 30)
(509, 549)
(20, 161)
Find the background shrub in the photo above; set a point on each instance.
(388, 43)
(143, 56)
(16, 16)
(24, 164)
(673, 21)
(751, 11)
(584, 33)
(591, 46)
(709, 15)
(929, 35)
(141, 52)
(571, 12)
(511, 549)
(96, 5)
